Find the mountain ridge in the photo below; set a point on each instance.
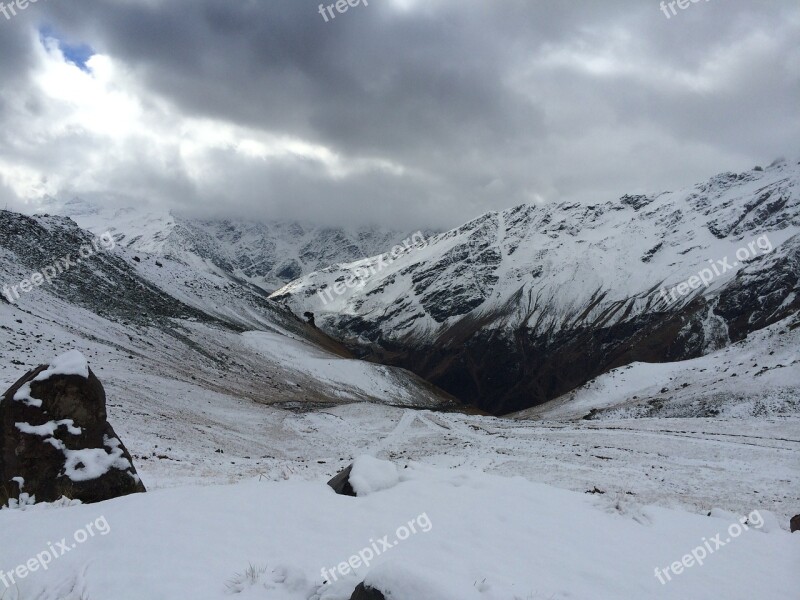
(268, 254)
(518, 307)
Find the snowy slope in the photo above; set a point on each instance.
(759, 376)
(267, 254)
(192, 329)
(519, 307)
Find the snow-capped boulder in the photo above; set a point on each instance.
(55, 439)
(365, 476)
(370, 475)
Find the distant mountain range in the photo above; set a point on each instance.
(268, 254)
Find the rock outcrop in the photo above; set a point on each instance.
(55, 439)
(341, 483)
(363, 592)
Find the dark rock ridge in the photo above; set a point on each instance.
(55, 439)
(503, 371)
(105, 284)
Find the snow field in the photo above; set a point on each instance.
(492, 538)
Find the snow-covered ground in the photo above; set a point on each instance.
(688, 464)
(299, 356)
(438, 534)
(519, 509)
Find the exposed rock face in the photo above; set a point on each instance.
(363, 592)
(55, 439)
(341, 483)
(794, 524)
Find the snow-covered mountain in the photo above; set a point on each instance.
(193, 332)
(518, 307)
(267, 254)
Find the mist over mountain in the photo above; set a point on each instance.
(267, 254)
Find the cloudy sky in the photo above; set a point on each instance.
(409, 113)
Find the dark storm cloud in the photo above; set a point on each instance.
(483, 104)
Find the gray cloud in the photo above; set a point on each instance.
(435, 110)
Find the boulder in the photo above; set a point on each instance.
(363, 592)
(341, 483)
(55, 439)
(794, 524)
